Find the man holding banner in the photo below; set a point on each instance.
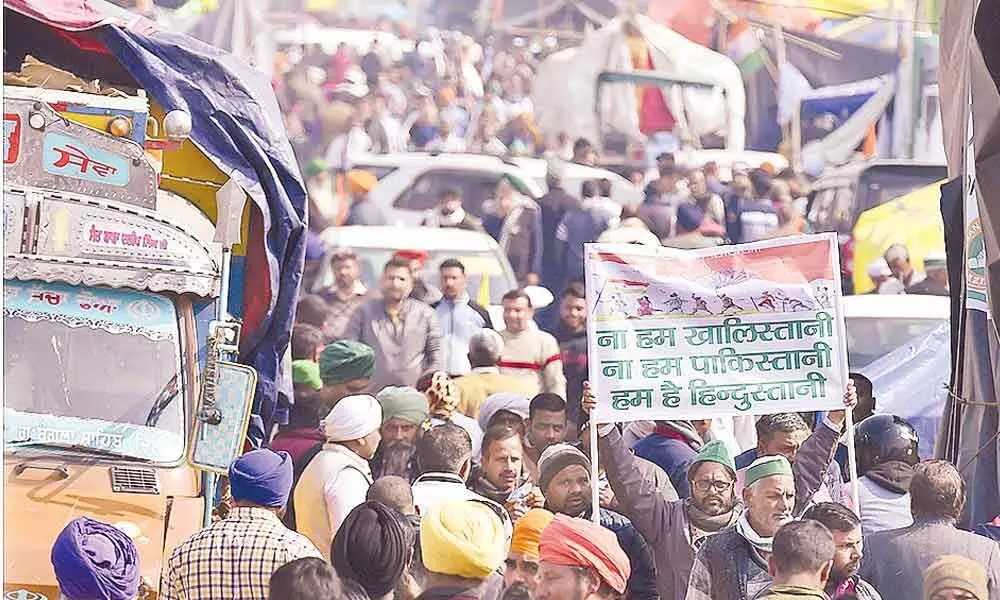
(745, 330)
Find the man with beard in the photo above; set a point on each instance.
(845, 527)
(520, 576)
(672, 446)
(501, 477)
(564, 478)
(404, 412)
(347, 292)
(673, 529)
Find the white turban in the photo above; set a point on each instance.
(509, 401)
(352, 418)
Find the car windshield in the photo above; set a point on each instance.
(870, 338)
(92, 369)
(879, 185)
(486, 275)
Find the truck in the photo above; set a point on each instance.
(123, 397)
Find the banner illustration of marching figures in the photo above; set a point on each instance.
(748, 329)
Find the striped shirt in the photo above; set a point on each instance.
(233, 558)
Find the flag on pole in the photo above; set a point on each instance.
(744, 48)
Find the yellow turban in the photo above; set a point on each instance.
(463, 538)
(528, 529)
(360, 182)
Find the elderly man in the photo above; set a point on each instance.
(732, 564)
(92, 559)
(580, 560)
(845, 527)
(337, 479)
(521, 574)
(345, 367)
(235, 557)
(898, 258)
(463, 543)
(404, 333)
(564, 478)
(673, 529)
(485, 349)
(800, 563)
(404, 411)
(529, 353)
(895, 559)
(502, 476)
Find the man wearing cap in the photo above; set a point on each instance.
(235, 557)
(898, 258)
(564, 478)
(688, 228)
(485, 349)
(732, 564)
(954, 577)
(579, 560)
(345, 367)
(337, 479)
(347, 292)
(404, 332)
(936, 283)
(364, 210)
(522, 560)
(673, 529)
(880, 274)
(462, 543)
(422, 291)
(92, 559)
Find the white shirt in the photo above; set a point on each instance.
(347, 148)
(431, 489)
(452, 143)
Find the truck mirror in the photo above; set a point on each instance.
(220, 423)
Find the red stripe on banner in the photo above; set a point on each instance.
(611, 257)
(552, 359)
(520, 365)
(256, 279)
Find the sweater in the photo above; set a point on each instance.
(533, 356)
(727, 568)
(483, 382)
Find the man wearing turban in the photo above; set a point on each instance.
(580, 560)
(235, 557)
(463, 543)
(345, 368)
(522, 560)
(93, 560)
(373, 548)
(365, 210)
(404, 411)
(338, 478)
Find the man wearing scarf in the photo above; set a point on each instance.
(462, 543)
(345, 367)
(373, 548)
(580, 560)
(564, 478)
(235, 557)
(337, 479)
(732, 564)
(93, 560)
(502, 476)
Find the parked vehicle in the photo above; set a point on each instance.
(574, 174)
(486, 267)
(410, 184)
(840, 196)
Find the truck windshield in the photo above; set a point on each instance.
(92, 369)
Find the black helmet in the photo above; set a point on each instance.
(881, 438)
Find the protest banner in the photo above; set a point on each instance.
(747, 329)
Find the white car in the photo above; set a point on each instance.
(410, 183)
(903, 345)
(623, 191)
(487, 269)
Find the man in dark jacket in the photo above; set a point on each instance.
(581, 224)
(895, 560)
(553, 206)
(516, 225)
(567, 322)
(564, 478)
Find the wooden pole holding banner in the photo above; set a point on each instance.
(595, 492)
(852, 462)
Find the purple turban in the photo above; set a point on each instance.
(263, 477)
(314, 247)
(95, 561)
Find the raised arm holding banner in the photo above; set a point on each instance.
(733, 330)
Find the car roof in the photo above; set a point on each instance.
(539, 167)
(409, 238)
(855, 168)
(443, 159)
(903, 306)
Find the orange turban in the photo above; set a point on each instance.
(360, 182)
(572, 542)
(528, 529)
